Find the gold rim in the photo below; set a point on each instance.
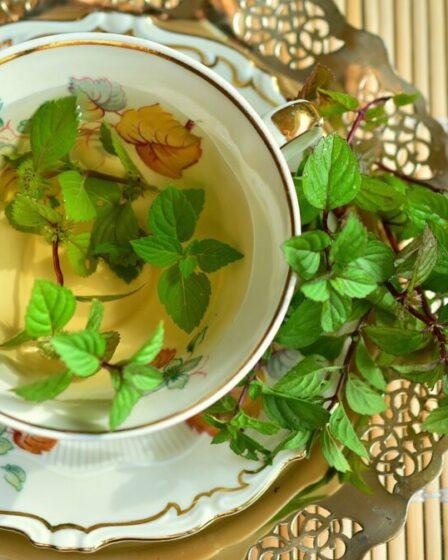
(294, 226)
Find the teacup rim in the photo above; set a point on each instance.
(213, 79)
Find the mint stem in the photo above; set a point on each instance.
(404, 177)
(362, 113)
(57, 263)
(348, 358)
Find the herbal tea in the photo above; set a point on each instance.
(122, 220)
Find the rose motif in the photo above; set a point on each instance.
(8, 138)
(33, 444)
(162, 142)
(95, 97)
(164, 357)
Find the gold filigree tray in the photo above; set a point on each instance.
(286, 38)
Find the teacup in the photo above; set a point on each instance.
(43, 69)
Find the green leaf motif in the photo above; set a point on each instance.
(158, 250)
(367, 367)
(15, 476)
(144, 378)
(350, 243)
(396, 340)
(303, 326)
(185, 299)
(149, 351)
(172, 215)
(332, 453)
(45, 389)
(81, 351)
(331, 177)
(212, 254)
(50, 308)
(5, 446)
(53, 132)
(362, 398)
(78, 205)
(125, 399)
(341, 429)
(302, 253)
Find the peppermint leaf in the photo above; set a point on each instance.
(113, 145)
(296, 441)
(125, 399)
(104, 195)
(377, 261)
(303, 326)
(112, 340)
(96, 315)
(335, 311)
(362, 398)
(53, 132)
(294, 414)
(401, 99)
(144, 378)
(158, 250)
(149, 351)
(78, 205)
(16, 340)
(81, 351)
(302, 253)
(106, 139)
(188, 265)
(185, 299)
(426, 259)
(212, 254)
(344, 99)
(243, 421)
(367, 367)
(45, 389)
(333, 455)
(331, 177)
(423, 206)
(78, 254)
(378, 196)
(307, 211)
(353, 282)
(341, 429)
(28, 213)
(50, 308)
(397, 340)
(437, 420)
(317, 290)
(172, 215)
(196, 198)
(350, 243)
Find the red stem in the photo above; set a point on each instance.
(362, 113)
(348, 358)
(403, 177)
(57, 263)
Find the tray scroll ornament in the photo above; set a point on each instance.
(286, 38)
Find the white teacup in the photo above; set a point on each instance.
(40, 70)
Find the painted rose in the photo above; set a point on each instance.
(96, 97)
(162, 142)
(33, 444)
(164, 357)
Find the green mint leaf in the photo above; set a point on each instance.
(172, 215)
(350, 243)
(335, 311)
(78, 205)
(158, 250)
(247, 447)
(125, 399)
(427, 373)
(81, 351)
(96, 315)
(341, 429)
(45, 389)
(401, 99)
(302, 253)
(303, 326)
(377, 261)
(362, 398)
(144, 378)
(333, 455)
(437, 420)
(53, 132)
(243, 421)
(396, 340)
(296, 441)
(212, 255)
(149, 351)
(329, 347)
(294, 414)
(344, 99)
(378, 196)
(108, 297)
(16, 340)
(425, 260)
(104, 195)
(196, 198)
(185, 299)
(113, 144)
(112, 340)
(331, 177)
(353, 282)
(28, 213)
(307, 211)
(188, 265)
(367, 367)
(106, 139)
(50, 308)
(423, 206)
(78, 254)
(316, 290)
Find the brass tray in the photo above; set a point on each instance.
(286, 38)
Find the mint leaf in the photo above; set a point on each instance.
(172, 215)
(303, 326)
(196, 198)
(362, 398)
(78, 254)
(45, 389)
(317, 290)
(149, 351)
(397, 340)
(302, 253)
(106, 139)
(296, 441)
(188, 265)
(143, 377)
(331, 177)
(353, 282)
(350, 243)
(213, 255)
(108, 297)
(29, 213)
(112, 340)
(124, 401)
(377, 261)
(401, 99)
(243, 421)
(185, 299)
(422, 206)
(294, 414)
(347, 101)
(50, 308)
(437, 420)
(426, 259)
(367, 367)
(104, 195)
(81, 351)
(158, 250)
(53, 132)
(307, 212)
(113, 145)
(341, 429)
(78, 205)
(96, 315)
(335, 311)
(378, 196)
(333, 455)
(16, 340)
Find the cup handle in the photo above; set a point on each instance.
(296, 126)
